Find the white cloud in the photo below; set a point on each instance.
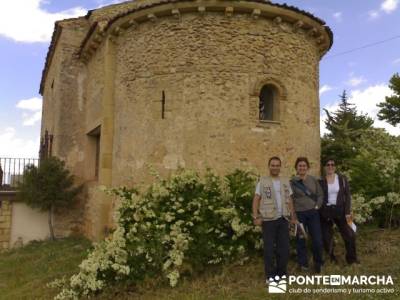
(32, 110)
(373, 14)
(389, 6)
(338, 16)
(14, 146)
(355, 81)
(365, 101)
(32, 119)
(33, 104)
(102, 3)
(324, 88)
(322, 128)
(26, 21)
(396, 61)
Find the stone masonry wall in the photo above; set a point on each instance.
(212, 69)
(5, 221)
(63, 116)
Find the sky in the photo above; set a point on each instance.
(26, 27)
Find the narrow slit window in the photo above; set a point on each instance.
(97, 157)
(267, 103)
(95, 139)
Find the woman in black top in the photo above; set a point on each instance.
(336, 209)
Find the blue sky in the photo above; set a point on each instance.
(363, 73)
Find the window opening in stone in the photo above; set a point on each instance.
(267, 103)
(94, 136)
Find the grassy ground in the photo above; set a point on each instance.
(25, 272)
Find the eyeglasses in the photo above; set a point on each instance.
(330, 165)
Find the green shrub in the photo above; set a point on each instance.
(177, 226)
(48, 187)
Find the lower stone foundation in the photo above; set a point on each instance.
(5, 219)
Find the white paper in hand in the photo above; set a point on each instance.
(353, 227)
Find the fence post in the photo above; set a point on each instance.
(12, 170)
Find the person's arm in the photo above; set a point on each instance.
(293, 215)
(347, 200)
(320, 194)
(256, 205)
(292, 211)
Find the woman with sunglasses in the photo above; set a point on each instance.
(336, 209)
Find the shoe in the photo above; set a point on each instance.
(303, 268)
(333, 259)
(355, 262)
(318, 269)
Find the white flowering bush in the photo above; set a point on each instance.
(177, 226)
(362, 210)
(384, 209)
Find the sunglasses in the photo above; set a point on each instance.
(330, 165)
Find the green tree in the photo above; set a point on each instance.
(376, 168)
(375, 174)
(345, 126)
(48, 187)
(390, 109)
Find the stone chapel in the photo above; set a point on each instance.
(179, 83)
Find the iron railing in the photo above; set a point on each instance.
(12, 170)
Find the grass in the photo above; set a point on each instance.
(25, 272)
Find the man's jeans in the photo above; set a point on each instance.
(311, 222)
(276, 244)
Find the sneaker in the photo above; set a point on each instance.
(318, 269)
(303, 268)
(355, 262)
(333, 259)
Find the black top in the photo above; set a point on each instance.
(343, 197)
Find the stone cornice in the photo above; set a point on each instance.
(299, 20)
(150, 11)
(50, 54)
(58, 29)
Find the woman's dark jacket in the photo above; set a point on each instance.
(343, 198)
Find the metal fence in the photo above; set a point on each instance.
(12, 170)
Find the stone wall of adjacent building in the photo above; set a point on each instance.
(64, 115)
(19, 223)
(5, 220)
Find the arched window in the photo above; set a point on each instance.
(267, 107)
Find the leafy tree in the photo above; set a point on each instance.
(376, 168)
(48, 187)
(345, 126)
(375, 174)
(390, 109)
